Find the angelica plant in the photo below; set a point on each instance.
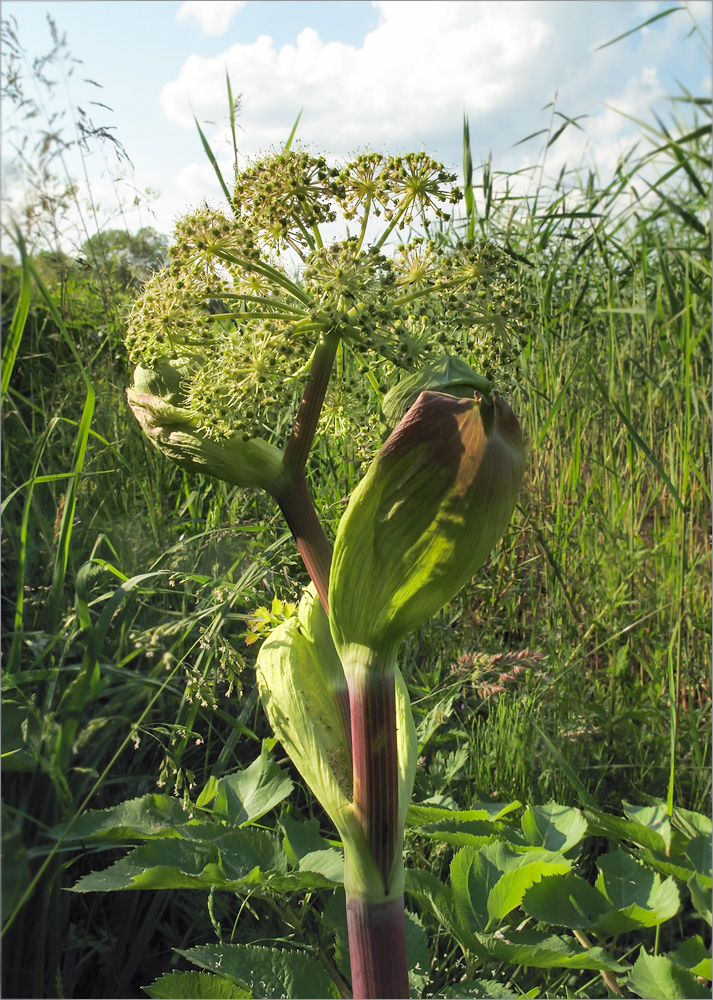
(255, 322)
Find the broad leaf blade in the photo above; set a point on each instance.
(195, 986)
(553, 827)
(656, 978)
(565, 901)
(267, 972)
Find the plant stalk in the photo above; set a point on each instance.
(377, 948)
(294, 501)
(375, 912)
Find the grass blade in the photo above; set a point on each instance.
(584, 795)
(10, 349)
(213, 161)
(644, 24)
(292, 133)
(80, 450)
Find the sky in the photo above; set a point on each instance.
(390, 75)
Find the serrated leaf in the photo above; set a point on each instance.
(473, 875)
(329, 863)
(195, 986)
(438, 899)
(565, 901)
(147, 817)
(268, 972)
(693, 955)
(616, 828)
(653, 817)
(490, 882)
(301, 837)
(700, 897)
(637, 895)
(657, 978)
(422, 814)
(507, 893)
(228, 862)
(543, 951)
(418, 953)
(698, 852)
(246, 796)
(160, 864)
(677, 867)
(690, 823)
(461, 838)
(624, 881)
(554, 827)
(479, 989)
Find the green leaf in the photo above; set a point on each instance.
(657, 978)
(616, 828)
(693, 955)
(421, 815)
(244, 797)
(195, 986)
(509, 890)
(490, 882)
(439, 900)
(698, 852)
(147, 817)
(160, 864)
(214, 163)
(268, 972)
(700, 897)
(12, 340)
(229, 862)
(301, 838)
(678, 867)
(654, 817)
(565, 901)
(418, 953)
(638, 896)
(473, 875)
(691, 823)
(479, 989)
(329, 863)
(554, 827)
(543, 951)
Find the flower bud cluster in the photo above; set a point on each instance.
(246, 331)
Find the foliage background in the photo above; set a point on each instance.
(129, 585)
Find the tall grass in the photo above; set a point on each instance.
(127, 582)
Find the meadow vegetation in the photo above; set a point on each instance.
(573, 669)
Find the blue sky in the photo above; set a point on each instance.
(391, 75)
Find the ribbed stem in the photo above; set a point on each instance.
(372, 701)
(375, 909)
(377, 948)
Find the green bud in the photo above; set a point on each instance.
(156, 400)
(432, 505)
(448, 374)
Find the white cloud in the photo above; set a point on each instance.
(213, 16)
(409, 81)
(423, 63)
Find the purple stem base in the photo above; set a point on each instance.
(377, 949)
